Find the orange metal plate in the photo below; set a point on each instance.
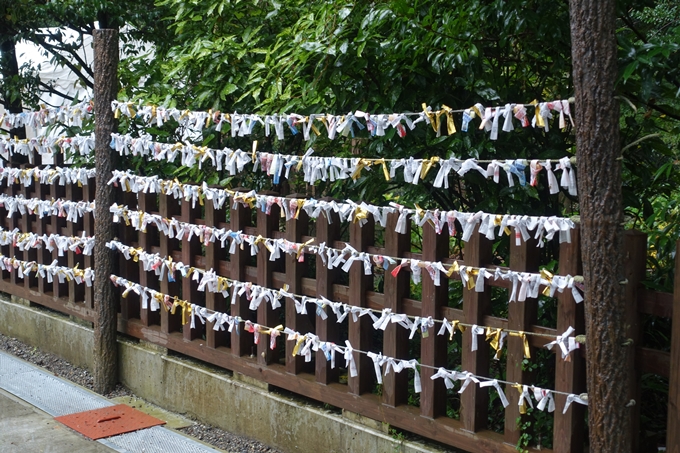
(108, 421)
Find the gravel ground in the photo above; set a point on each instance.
(63, 369)
(226, 441)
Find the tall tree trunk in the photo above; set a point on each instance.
(105, 369)
(597, 140)
(10, 70)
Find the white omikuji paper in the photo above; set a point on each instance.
(544, 227)
(306, 344)
(243, 124)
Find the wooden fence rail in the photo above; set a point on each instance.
(463, 425)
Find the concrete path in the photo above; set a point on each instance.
(24, 428)
(29, 399)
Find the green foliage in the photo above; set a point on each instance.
(22, 86)
(525, 438)
(386, 56)
(398, 437)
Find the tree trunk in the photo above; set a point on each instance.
(599, 171)
(105, 369)
(10, 67)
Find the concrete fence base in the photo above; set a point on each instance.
(233, 402)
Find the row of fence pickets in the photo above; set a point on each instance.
(236, 352)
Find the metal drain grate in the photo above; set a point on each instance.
(158, 440)
(46, 392)
(11, 366)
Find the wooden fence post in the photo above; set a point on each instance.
(15, 222)
(328, 231)
(29, 254)
(190, 292)
(266, 316)
(105, 364)
(88, 227)
(361, 332)
(44, 255)
(475, 400)
(241, 341)
(214, 254)
(521, 316)
(60, 290)
(395, 338)
(145, 203)
(295, 270)
(673, 434)
(433, 347)
(569, 428)
(635, 264)
(168, 208)
(128, 269)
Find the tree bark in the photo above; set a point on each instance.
(105, 369)
(597, 140)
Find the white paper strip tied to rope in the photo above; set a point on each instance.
(243, 124)
(47, 175)
(307, 343)
(70, 115)
(25, 241)
(317, 169)
(72, 210)
(350, 211)
(566, 343)
(255, 294)
(524, 284)
(48, 271)
(544, 397)
(47, 146)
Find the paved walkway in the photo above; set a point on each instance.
(23, 428)
(29, 399)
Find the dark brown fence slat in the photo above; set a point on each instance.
(328, 231)
(167, 207)
(145, 202)
(673, 433)
(266, 316)
(214, 253)
(361, 332)
(57, 158)
(569, 428)
(29, 254)
(129, 306)
(521, 316)
(635, 260)
(241, 341)
(654, 361)
(395, 338)
(44, 256)
(433, 346)
(655, 303)
(76, 292)
(88, 227)
(295, 270)
(475, 400)
(57, 223)
(191, 248)
(15, 222)
(7, 250)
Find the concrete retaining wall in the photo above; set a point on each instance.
(233, 403)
